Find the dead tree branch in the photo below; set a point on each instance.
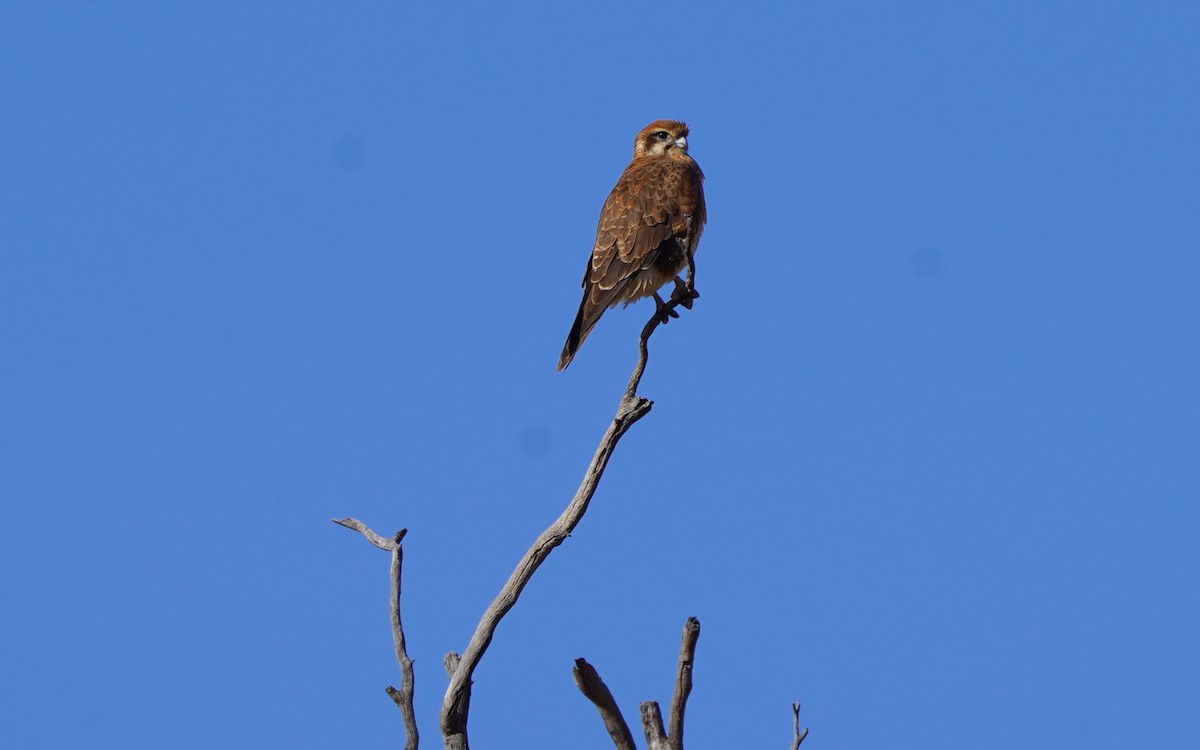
(656, 737)
(594, 689)
(453, 719)
(683, 683)
(403, 697)
(456, 703)
(652, 726)
(454, 706)
(797, 735)
(357, 525)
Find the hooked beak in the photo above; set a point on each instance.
(681, 143)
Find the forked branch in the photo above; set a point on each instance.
(657, 738)
(798, 735)
(456, 703)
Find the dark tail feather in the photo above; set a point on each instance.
(575, 337)
(594, 303)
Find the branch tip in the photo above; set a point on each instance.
(356, 525)
(683, 682)
(652, 727)
(453, 717)
(587, 679)
(450, 662)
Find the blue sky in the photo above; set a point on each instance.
(924, 455)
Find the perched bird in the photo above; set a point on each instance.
(648, 230)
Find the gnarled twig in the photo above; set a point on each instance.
(403, 697)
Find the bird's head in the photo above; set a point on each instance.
(662, 138)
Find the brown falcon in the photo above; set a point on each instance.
(648, 231)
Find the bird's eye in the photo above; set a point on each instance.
(662, 135)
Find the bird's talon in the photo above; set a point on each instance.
(665, 312)
(684, 294)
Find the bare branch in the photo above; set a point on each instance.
(457, 741)
(403, 698)
(453, 719)
(372, 537)
(656, 738)
(683, 682)
(798, 736)
(454, 714)
(594, 689)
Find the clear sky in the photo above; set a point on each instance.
(924, 455)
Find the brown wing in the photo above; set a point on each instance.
(657, 206)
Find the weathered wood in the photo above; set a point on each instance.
(403, 698)
(652, 726)
(454, 705)
(683, 683)
(594, 689)
(797, 735)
